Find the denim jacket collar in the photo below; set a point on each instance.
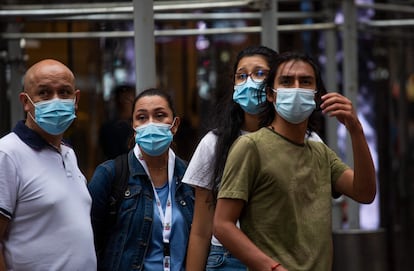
(137, 169)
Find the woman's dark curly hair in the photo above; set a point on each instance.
(268, 111)
(229, 116)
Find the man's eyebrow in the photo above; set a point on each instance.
(294, 76)
(284, 77)
(306, 77)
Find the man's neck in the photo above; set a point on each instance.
(53, 140)
(293, 132)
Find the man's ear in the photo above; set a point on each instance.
(270, 95)
(25, 101)
(77, 95)
(174, 129)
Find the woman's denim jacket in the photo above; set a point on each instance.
(127, 241)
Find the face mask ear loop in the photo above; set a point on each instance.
(28, 97)
(28, 113)
(173, 123)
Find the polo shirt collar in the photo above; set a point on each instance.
(30, 137)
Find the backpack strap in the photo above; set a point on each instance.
(119, 185)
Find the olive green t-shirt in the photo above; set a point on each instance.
(287, 189)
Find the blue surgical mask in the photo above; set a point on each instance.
(294, 104)
(54, 116)
(249, 95)
(154, 138)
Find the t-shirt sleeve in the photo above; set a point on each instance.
(200, 169)
(241, 169)
(8, 185)
(337, 169)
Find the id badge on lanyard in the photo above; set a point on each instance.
(167, 257)
(166, 220)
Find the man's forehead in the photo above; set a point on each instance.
(297, 75)
(295, 69)
(53, 84)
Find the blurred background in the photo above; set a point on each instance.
(365, 49)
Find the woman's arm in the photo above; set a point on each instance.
(100, 190)
(201, 230)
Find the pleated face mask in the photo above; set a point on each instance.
(294, 105)
(54, 116)
(154, 138)
(249, 95)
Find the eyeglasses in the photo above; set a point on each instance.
(257, 76)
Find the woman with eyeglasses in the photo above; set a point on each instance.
(152, 226)
(236, 114)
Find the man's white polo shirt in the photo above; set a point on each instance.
(44, 194)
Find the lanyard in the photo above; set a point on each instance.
(165, 217)
(166, 220)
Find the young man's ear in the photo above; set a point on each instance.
(270, 95)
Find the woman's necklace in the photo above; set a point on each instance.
(153, 168)
(158, 168)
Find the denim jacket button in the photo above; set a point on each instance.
(127, 193)
(183, 203)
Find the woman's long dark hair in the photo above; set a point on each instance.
(268, 113)
(229, 117)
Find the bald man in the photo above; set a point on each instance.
(44, 201)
